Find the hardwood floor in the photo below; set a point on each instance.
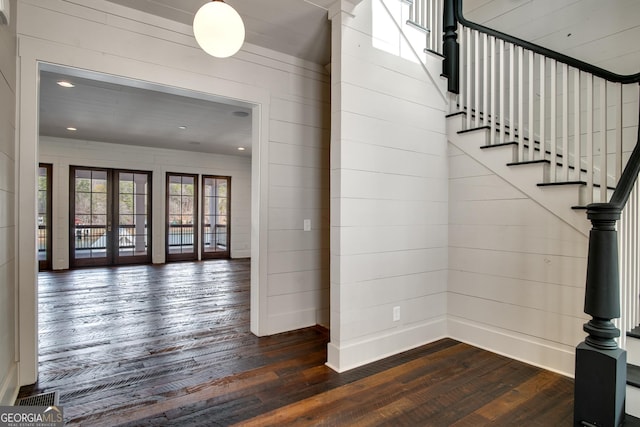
(170, 345)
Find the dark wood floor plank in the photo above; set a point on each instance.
(170, 345)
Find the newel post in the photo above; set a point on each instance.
(451, 48)
(601, 366)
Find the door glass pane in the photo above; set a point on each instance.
(215, 215)
(181, 214)
(44, 201)
(132, 214)
(90, 216)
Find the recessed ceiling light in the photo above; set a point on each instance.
(182, 127)
(241, 148)
(65, 83)
(72, 129)
(240, 113)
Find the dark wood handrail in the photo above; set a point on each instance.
(573, 62)
(629, 175)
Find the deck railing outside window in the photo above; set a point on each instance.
(94, 236)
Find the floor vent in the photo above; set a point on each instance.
(45, 399)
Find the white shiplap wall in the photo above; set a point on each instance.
(290, 148)
(388, 195)
(517, 271)
(63, 153)
(8, 339)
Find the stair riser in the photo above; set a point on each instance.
(633, 351)
(633, 401)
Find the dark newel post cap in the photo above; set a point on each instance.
(603, 212)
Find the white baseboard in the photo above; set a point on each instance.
(9, 387)
(244, 253)
(363, 352)
(547, 355)
(291, 321)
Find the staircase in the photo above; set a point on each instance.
(562, 132)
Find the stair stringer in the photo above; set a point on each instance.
(633, 391)
(557, 199)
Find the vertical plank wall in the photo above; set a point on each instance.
(388, 194)
(8, 369)
(62, 153)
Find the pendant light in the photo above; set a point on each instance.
(218, 29)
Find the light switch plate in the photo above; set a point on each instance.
(4, 12)
(306, 225)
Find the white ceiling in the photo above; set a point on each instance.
(105, 108)
(299, 28)
(605, 33)
(110, 109)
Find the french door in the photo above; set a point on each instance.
(182, 217)
(216, 191)
(44, 216)
(110, 216)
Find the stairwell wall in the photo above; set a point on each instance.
(516, 271)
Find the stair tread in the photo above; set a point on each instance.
(528, 162)
(502, 144)
(559, 183)
(635, 332)
(473, 129)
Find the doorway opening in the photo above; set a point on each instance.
(80, 153)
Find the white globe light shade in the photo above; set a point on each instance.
(219, 29)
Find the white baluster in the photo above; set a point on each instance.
(542, 102)
(590, 163)
(565, 123)
(531, 134)
(577, 146)
(512, 93)
(433, 19)
(553, 98)
(603, 141)
(618, 145)
(485, 81)
(468, 72)
(461, 94)
(492, 92)
(501, 91)
(476, 78)
(520, 105)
